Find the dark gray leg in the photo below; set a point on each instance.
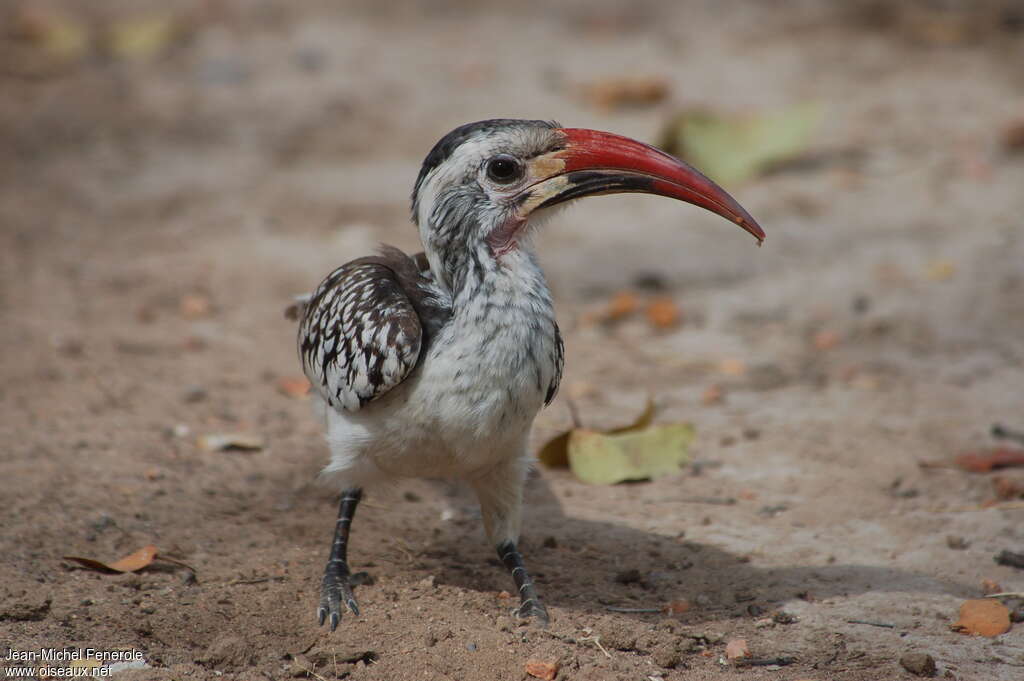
(337, 586)
(529, 603)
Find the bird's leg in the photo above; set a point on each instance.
(337, 586)
(500, 492)
(529, 602)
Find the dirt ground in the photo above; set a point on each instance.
(161, 204)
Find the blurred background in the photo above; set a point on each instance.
(172, 173)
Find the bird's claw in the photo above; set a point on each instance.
(335, 589)
(532, 608)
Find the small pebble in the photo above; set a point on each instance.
(628, 576)
(956, 543)
(666, 655)
(471, 647)
(194, 393)
(920, 664)
(783, 617)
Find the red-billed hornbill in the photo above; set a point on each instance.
(435, 365)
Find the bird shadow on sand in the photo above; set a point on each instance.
(593, 566)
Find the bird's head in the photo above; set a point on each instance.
(483, 183)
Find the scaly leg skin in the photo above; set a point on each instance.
(500, 492)
(337, 585)
(529, 603)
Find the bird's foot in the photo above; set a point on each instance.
(532, 608)
(336, 589)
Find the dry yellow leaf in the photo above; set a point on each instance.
(130, 563)
(732, 367)
(983, 617)
(940, 270)
(663, 313)
(622, 305)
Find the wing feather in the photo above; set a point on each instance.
(360, 335)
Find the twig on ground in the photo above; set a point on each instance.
(884, 625)
(1007, 594)
(780, 661)
(596, 640)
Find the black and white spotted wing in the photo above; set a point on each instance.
(360, 335)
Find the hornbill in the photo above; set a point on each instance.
(435, 365)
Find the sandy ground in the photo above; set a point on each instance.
(880, 325)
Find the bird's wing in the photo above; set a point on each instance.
(360, 335)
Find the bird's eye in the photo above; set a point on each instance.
(503, 169)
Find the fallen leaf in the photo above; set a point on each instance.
(130, 563)
(940, 270)
(736, 649)
(59, 35)
(732, 367)
(676, 607)
(542, 670)
(663, 313)
(623, 304)
(642, 420)
(221, 442)
(627, 91)
(142, 37)
(603, 459)
(733, 148)
(983, 617)
(194, 306)
(826, 340)
(293, 386)
(713, 394)
(555, 452)
(985, 461)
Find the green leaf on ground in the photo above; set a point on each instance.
(651, 452)
(730, 149)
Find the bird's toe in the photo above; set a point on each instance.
(533, 608)
(334, 591)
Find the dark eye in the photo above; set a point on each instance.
(503, 169)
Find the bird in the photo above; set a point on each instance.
(435, 365)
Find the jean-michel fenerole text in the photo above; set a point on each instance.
(71, 654)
